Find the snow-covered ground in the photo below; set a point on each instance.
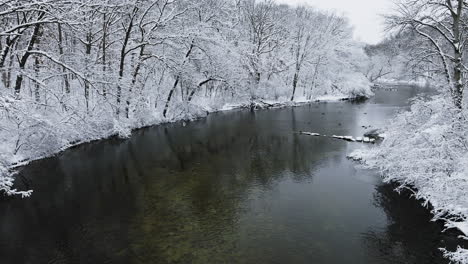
(426, 150)
(331, 98)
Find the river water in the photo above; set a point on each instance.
(236, 187)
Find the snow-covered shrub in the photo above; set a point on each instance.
(460, 256)
(6, 184)
(355, 84)
(6, 176)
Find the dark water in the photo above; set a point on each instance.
(237, 187)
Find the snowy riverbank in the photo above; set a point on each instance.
(426, 151)
(37, 135)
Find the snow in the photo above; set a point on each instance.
(311, 134)
(6, 184)
(459, 256)
(346, 138)
(331, 98)
(462, 226)
(229, 107)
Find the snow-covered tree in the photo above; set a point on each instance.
(442, 23)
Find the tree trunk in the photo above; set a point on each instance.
(192, 93)
(88, 56)
(458, 81)
(24, 58)
(37, 86)
(61, 52)
(8, 75)
(295, 80)
(123, 55)
(3, 57)
(5, 52)
(134, 79)
(171, 92)
(104, 53)
(316, 70)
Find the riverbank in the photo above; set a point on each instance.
(426, 151)
(62, 134)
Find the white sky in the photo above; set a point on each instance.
(364, 15)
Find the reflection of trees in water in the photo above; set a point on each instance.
(410, 236)
(76, 212)
(241, 144)
(193, 215)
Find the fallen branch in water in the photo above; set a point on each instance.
(364, 139)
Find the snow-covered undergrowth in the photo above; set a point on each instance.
(426, 150)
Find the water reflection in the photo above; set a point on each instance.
(409, 236)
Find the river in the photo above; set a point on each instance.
(236, 187)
